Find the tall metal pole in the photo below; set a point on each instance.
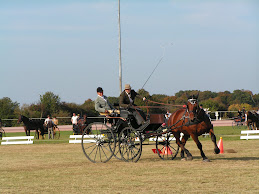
(120, 69)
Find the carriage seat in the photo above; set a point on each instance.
(110, 113)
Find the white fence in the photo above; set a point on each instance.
(17, 140)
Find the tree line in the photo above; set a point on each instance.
(51, 104)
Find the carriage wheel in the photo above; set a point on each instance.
(130, 145)
(243, 125)
(166, 147)
(235, 125)
(98, 142)
(117, 148)
(56, 133)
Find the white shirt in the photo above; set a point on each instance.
(102, 98)
(131, 101)
(167, 115)
(47, 120)
(74, 119)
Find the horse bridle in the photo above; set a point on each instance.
(193, 101)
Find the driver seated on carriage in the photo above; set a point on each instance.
(242, 115)
(126, 101)
(102, 105)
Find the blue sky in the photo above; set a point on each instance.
(70, 47)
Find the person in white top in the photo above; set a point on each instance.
(48, 120)
(74, 120)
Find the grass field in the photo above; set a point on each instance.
(58, 167)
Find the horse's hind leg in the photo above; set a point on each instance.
(37, 133)
(199, 145)
(213, 139)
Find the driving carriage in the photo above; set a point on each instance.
(119, 136)
(239, 123)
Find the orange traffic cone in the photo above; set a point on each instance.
(220, 145)
(166, 151)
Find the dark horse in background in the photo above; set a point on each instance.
(252, 120)
(82, 123)
(30, 124)
(191, 121)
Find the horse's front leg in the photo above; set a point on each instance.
(213, 139)
(184, 140)
(183, 149)
(25, 130)
(199, 145)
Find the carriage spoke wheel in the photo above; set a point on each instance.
(117, 154)
(166, 147)
(234, 125)
(130, 145)
(98, 142)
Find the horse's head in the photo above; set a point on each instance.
(193, 106)
(20, 119)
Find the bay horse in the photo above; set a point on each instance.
(31, 125)
(191, 121)
(252, 120)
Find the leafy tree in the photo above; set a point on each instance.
(71, 108)
(138, 100)
(113, 100)
(207, 95)
(158, 97)
(89, 108)
(181, 100)
(50, 103)
(170, 99)
(224, 98)
(180, 93)
(7, 110)
(236, 107)
(211, 104)
(241, 96)
(256, 100)
(31, 111)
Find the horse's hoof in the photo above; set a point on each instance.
(206, 160)
(216, 150)
(183, 159)
(189, 158)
